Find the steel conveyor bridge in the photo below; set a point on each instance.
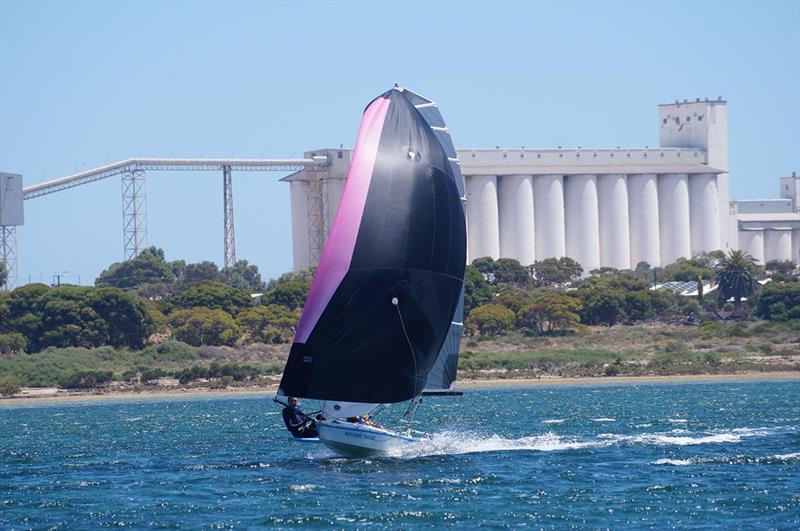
(134, 201)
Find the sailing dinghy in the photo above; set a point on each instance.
(382, 322)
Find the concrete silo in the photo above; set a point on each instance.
(673, 209)
(482, 217)
(704, 212)
(643, 219)
(582, 221)
(778, 244)
(548, 200)
(614, 232)
(516, 218)
(752, 241)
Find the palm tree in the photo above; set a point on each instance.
(736, 276)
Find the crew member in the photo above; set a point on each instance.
(297, 422)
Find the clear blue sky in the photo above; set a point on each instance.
(83, 84)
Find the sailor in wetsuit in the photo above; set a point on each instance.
(297, 422)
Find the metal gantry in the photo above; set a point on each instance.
(134, 213)
(134, 203)
(109, 170)
(230, 233)
(8, 255)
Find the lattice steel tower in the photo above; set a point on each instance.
(134, 213)
(8, 256)
(230, 233)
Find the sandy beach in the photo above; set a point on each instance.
(54, 395)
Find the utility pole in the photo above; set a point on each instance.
(57, 278)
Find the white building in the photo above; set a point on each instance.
(769, 229)
(601, 207)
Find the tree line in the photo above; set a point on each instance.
(148, 299)
(553, 296)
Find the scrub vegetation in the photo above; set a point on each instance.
(153, 323)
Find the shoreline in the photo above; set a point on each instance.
(52, 396)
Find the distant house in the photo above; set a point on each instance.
(687, 288)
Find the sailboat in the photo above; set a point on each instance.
(382, 322)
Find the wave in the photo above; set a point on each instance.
(729, 459)
(674, 462)
(786, 457)
(455, 442)
(553, 421)
(666, 440)
(305, 488)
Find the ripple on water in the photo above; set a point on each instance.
(715, 455)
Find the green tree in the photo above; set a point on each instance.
(204, 326)
(688, 269)
(601, 306)
(214, 295)
(555, 272)
(779, 301)
(604, 271)
(68, 321)
(244, 276)
(485, 265)
(268, 324)
(511, 272)
(513, 300)
(643, 271)
(202, 272)
(178, 268)
(148, 267)
(78, 316)
(476, 290)
(550, 314)
(129, 320)
(303, 275)
(3, 274)
(736, 276)
(505, 271)
(784, 267)
(86, 379)
(291, 294)
(9, 386)
(490, 319)
(12, 343)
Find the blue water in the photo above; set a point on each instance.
(707, 455)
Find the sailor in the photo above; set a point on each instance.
(297, 422)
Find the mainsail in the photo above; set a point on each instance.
(390, 278)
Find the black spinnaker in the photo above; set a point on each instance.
(390, 279)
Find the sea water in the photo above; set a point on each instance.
(704, 455)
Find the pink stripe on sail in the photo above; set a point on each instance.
(341, 242)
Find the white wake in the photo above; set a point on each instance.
(457, 442)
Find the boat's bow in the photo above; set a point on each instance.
(361, 439)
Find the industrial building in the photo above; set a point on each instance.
(602, 207)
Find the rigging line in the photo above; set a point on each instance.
(396, 304)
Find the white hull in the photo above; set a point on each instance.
(360, 439)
